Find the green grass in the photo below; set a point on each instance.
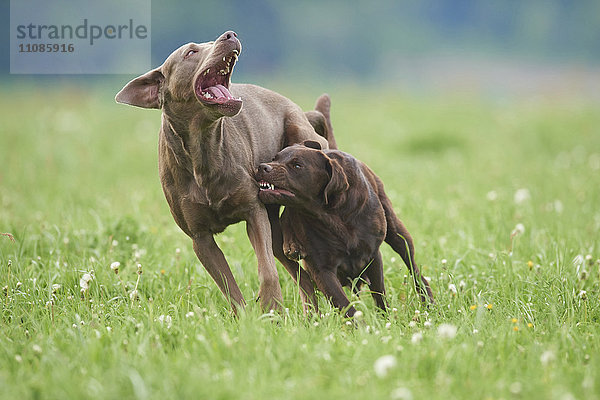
(79, 190)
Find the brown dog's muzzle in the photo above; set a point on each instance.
(269, 192)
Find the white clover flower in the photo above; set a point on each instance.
(412, 324)
(515, 388)
(547, 357)
(134, 295)
(416, 337)
(189, 314)
(491, 195)
(115, 267)
(85, 280)
(519, 229)
(56, 287)
(558, 206)
(462, 285)
(452, 289)
(427, 324)
(522, 195)
(583, 295)
(36, 349)
(446, 331)
(383, 364)
(358, 315)
(401, 393)
(165, 320)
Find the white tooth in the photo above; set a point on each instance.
(223, 58)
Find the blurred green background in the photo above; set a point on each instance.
(494, 48)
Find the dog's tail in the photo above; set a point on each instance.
(399, 239)
(320, 119)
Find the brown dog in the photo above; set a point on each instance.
(209, 149)
(336, 216)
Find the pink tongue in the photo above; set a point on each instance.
(219, 91)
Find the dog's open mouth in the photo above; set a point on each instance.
(212, 85)
(269, 188)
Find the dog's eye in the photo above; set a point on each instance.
(297, 165)
(190, 52)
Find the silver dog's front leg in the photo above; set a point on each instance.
(213, 260)
(259, 232)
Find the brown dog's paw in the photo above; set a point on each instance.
(293, 252)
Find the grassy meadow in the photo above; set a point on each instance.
(501, 197)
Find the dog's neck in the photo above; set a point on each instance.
(197, 146)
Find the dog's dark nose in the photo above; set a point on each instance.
(229, 35)
(265, 168)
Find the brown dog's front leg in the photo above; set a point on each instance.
(213, 260)
(375, 274)
(328, 283)
(300, 276)
(259, 232)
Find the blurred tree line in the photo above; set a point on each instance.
(354, 39)
(359, 38)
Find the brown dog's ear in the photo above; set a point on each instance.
(338, 182)
(143, 91)
(312, 144)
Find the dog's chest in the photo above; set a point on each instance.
(350, 250)
(353, 266)
(212, 207)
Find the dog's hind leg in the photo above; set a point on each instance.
(399, 239)
(299, 275)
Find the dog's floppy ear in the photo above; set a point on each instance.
(143, 91)
(338, 181)
(312, 144)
